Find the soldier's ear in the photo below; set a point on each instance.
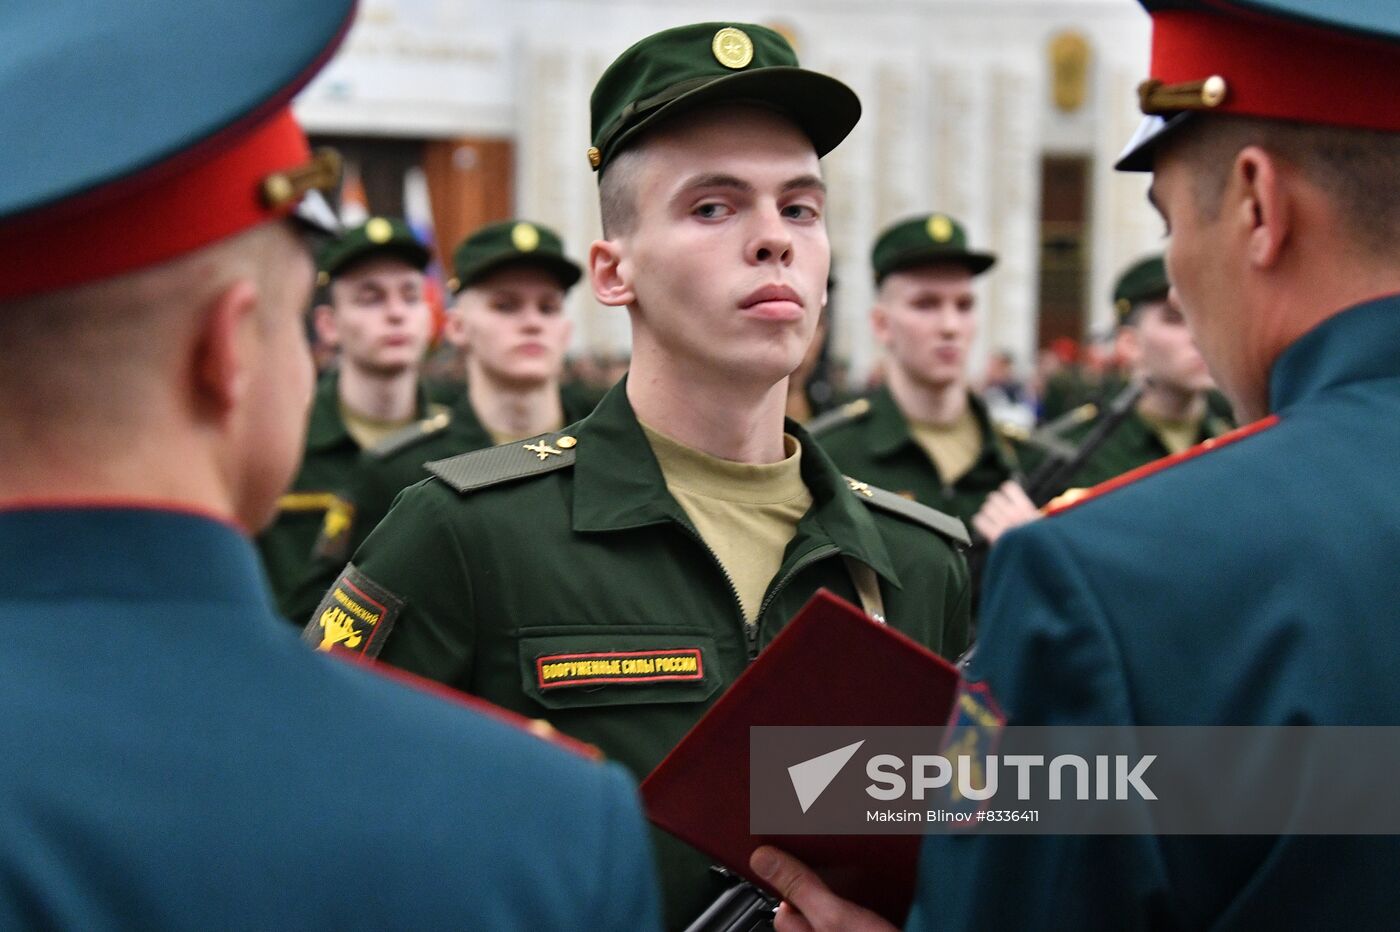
(880, 324)
(1127, 344)
(610, 273)
(323, 319)
(226, 347)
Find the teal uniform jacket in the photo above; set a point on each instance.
(560, 579)
(381, 474)
(1132, 444)
(1255, 583)
(327, 466)
(176, 759)
(870, 439)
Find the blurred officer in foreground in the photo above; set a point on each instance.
(511, 279)
(175, 757)
(1171, 415)
(616, 576)
(376, 316)
(925, 434)
(1254, 582)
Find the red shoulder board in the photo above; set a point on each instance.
(535, 726)
(1079, 496)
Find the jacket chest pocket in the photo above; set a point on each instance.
(617, 665)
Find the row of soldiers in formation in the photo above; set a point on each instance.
(924, 436)
(180, 758)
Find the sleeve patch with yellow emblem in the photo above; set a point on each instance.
(595, 669)
(356, 615)
(973, 731)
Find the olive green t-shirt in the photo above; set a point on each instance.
(747, 514)
(954, 448)
(1175, 435)
(368, 431)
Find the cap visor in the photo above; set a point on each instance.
(823, 107)
(1138, 154)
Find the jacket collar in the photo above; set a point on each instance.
(168, 553)
(326, 428)
(1356, 345)
(888, 431)
(618, 485)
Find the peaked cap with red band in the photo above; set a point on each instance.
(1324, 62)
(141, 131)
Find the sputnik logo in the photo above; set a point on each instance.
(811, 777)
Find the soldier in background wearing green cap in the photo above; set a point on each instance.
(376, 315)
(925, 434)
(1172, 414)
(510, 280)
(616, 576)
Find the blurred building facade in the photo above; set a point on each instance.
(1007, 114)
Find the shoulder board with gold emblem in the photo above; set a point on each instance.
(434, 423)
(1076, 497)
(947, 525)
(507, 462)
(851, 411)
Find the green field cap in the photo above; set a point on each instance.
(375, 237)
(929, 239)
(1145, 280)
(680, 69)
(511, 242)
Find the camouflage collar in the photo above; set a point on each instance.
(618, 485)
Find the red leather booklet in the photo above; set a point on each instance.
(700, 792)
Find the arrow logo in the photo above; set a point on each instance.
(811, 777)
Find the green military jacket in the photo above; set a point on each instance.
(1132, 443)
(870, 439)
(329, 462)
(558, 577)
(382, 473)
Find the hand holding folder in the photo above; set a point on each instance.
(831, 665)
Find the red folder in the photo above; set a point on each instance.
(700, 792)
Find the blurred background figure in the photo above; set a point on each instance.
(508, 322)
(377, 319)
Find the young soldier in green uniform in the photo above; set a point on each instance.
(616, 576)
(511, 279)
(377, 316)
(1171, 415)
(925, 434)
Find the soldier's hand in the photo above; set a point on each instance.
(1004, 509)
(808, 906)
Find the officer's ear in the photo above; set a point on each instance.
(610, 274)
(229, 340)
(1259, 201)
(323, 319)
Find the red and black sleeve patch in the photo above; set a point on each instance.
(356, 615)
